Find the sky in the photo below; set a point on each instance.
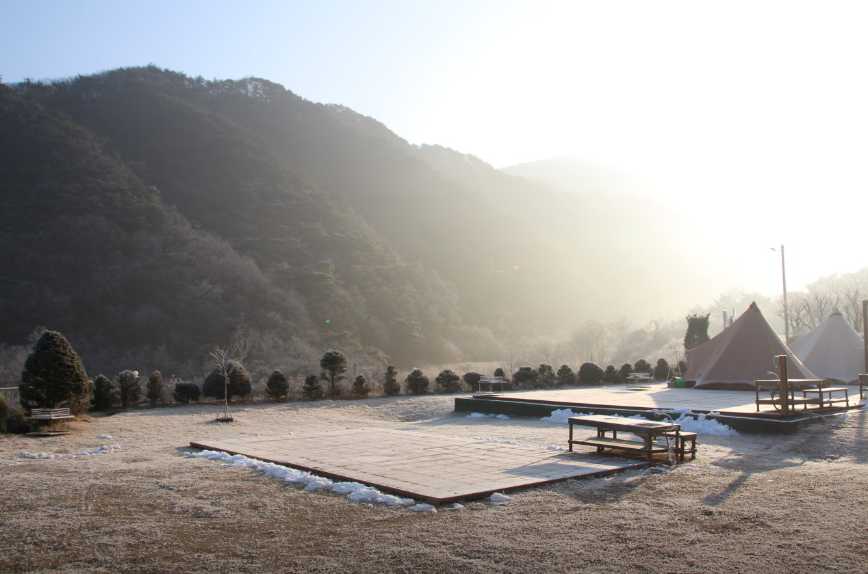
(750, 116)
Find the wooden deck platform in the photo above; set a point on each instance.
(425, 466)
(736, 408)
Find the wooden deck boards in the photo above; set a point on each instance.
(425, 466)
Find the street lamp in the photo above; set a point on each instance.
(786, 307)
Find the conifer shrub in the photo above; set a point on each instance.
(661, 370)
(129, 389)
(642, 366)
(472, 379)
(53, 375)
(625, 371)
(155, 388)
(104, 393)
(391, 386)
(499, 373)
(417, 382)
(360, 387)
(546, 377)
(525, 378)
(448, 381)
(590, 373)
(186, 393)
(610, 375)
(277, 387)
(333, 365)
(239, 382)
(566, 376)
(312, 388)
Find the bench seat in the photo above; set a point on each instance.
(636, 445)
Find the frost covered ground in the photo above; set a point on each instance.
(123, 492)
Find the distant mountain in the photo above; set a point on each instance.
(151, 215)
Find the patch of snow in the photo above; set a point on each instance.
(454, 506)
(704, 425)
(422, 507)
(476, 415)
(353, 491)
(102, 449)
(499, 499)
(104, 436)
(35, 455)
(560, 416)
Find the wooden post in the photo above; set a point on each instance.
(784, 383)
(865, 330)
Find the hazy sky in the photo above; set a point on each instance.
(750, 115)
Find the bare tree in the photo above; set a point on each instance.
(223, 359)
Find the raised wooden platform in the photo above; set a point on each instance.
(734, 408)
(420, 465)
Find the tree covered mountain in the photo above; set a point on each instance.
(150, 215)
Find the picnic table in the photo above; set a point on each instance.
(780, 402)
(646, 430)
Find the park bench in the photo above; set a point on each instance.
(50, 415)
(646, 431)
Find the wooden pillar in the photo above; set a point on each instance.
(784, 384)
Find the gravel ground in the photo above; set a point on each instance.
(797, 503)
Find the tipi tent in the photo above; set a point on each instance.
(740, 354)
(833, 350)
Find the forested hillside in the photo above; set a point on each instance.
(150, 215)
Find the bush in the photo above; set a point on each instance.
(312, 390)
(17, 423)
(185, 393)
(589, 373)
(472, 380)
(104, 393)
(499, 373)
(566, 376)
(333, 364)
(610, 375)
(4, 414)
(53, 374)
(642, 366)
(661, 370)
(417, 382)
(155, 387)
(625, 371)
(239, 382)
(525, 378)
(546, 376)
(448, 381)
(391, 386)
(128, 388)
(277, 387)
(360, 387)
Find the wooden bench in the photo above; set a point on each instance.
(647, 431)
(681, 439)
(50, 415)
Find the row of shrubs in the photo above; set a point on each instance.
(54, 376)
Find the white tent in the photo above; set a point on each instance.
(740, 354)
(833, 350)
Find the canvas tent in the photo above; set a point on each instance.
(833, 350)
(740, 354)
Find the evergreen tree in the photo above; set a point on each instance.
(53, 375)
(391, 386)
(360, 387)
(186, 392)
(334, 365)
(240, 384)
(642, 366)
(472, 380)
(697, 331)
(625, 371)
(566, 376)
(525, 378)
(129, 389)
(499, 373)
(104, 393)
(661, 370)
(448, 381)
(589, 373)
(610, 375)
(155, 388)
(312, 389)
(277, 387)
(417, 382)
(546, 376)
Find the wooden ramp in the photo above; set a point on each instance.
(421, 465)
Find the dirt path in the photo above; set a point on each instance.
(774, 504)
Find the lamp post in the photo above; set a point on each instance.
(786, 307)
